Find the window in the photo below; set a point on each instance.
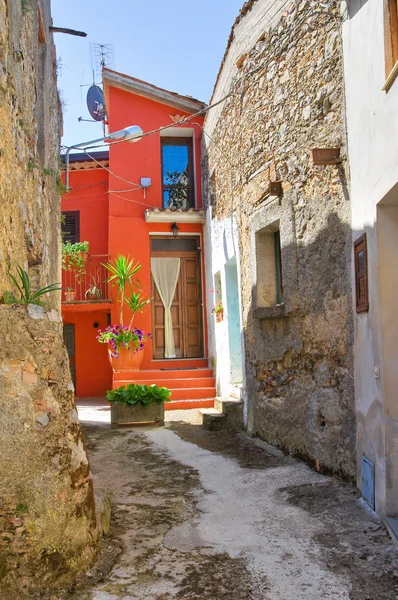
(361, 274)
(391, 39)
(177, 173)
(70, 226)
(269, 288)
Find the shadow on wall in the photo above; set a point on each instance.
(355, 6)
(300, 357)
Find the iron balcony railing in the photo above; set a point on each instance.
(90, 286)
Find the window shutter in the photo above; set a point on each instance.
(361, 274)
(71, 227)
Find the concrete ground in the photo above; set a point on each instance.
(201, 515)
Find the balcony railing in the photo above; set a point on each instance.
(90, 287)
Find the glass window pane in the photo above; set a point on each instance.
(174, 245)
(175, 164)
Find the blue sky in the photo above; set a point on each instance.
(175, 44)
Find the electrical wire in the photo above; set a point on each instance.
(133, 201)
(111, 172)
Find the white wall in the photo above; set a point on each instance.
(372, 124)
(221, 246)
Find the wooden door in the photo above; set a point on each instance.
(186, 308)
(69, 341)
(192, 305)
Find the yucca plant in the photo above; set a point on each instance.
(123, 272)
(136, 303)
(27, 295)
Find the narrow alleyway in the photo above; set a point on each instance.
(217, 515)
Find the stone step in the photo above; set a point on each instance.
(232, 408)
(212, 419)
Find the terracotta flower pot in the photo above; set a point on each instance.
(128, 360)
(220, 315)
(70, 295)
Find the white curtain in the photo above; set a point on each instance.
(165, 273)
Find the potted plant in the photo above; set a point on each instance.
(94, 291)
(74, 258)
(126, 343)
(124, 346)
(218, 310)
(136, 403)
(70, 295)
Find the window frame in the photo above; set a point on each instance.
(361, 245)
(390, 42)
(179, 141)
(278, 267)
(76, 214)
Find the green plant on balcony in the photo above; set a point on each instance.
(26, 294)
(94, 291)
(74, 258)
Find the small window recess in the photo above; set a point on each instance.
(218, 309)
(361, 274)
(70, 226)
(269, 282)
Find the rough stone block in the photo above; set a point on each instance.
(28, 377)
(36, 312)
(214, 422)
(125, 414)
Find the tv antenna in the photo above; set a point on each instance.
(102, 55)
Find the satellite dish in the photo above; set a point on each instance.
(96, 103)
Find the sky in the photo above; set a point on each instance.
(175, 44)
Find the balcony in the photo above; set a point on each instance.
(91, 287)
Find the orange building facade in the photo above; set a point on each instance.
(142, 200)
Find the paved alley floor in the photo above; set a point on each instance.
(201, 515)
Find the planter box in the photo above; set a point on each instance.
(124, 414)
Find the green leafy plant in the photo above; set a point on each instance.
(27, 295)
(22, 508)
(26, 5)
(136, 302)
(134, 393)
(74, 258)
(218, 308)
(32, 164)
(61, 187)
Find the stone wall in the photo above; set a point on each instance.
(30, 121)
(299, 355)
(47, 514)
